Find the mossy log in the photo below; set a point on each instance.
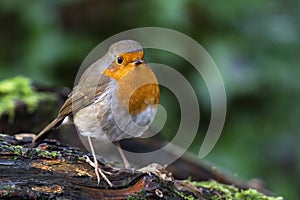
(55, 171)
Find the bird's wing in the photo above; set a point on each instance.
(81, 96)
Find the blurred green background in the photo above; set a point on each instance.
(255, 44)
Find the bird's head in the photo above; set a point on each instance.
(127, 54)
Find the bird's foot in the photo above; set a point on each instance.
(99, 171)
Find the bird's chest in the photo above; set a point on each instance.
(124, 109)
(138, 90)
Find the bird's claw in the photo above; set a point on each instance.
(98, 171)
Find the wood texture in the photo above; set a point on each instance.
(52, 171)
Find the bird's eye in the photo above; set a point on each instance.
(120, 60)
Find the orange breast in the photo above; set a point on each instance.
(142, 97)
(138, 89)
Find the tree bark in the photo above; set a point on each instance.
(52, 171)
(55, 171)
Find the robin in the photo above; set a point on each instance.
(115, 98)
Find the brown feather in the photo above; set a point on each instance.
(77, 99)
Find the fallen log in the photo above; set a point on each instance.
(56, 171)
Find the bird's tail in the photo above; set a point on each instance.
(43, 134)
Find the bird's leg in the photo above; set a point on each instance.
(96, 166)
(125, 161)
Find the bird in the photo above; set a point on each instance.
(115, 98)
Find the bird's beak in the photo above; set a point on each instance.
(138, 61)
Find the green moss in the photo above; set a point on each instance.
(230, 192)
(186, 197)
(253, 194)
(18, 150)
(81, 158)
(7, 190)
(49, 154)
(18, 89)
